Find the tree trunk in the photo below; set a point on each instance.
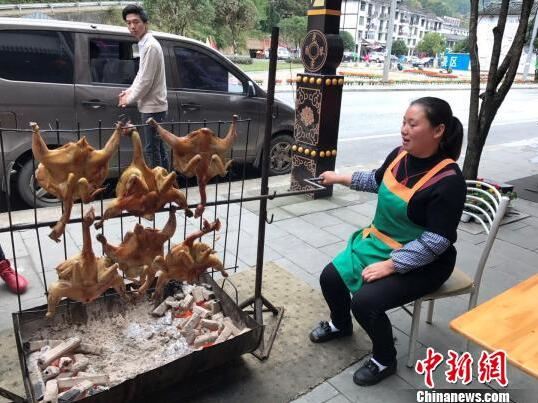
(500, 79)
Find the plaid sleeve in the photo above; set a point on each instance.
(364, 181)
(423, 250)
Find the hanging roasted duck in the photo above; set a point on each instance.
(186, 261)
(84, 277)
(139, 247)
(200, 153)
(72, 172)
(143, 191)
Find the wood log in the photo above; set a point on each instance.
(60, 350)
(51, 392)
(198, 310)
(75, 392)
(205, 339)
(95, 379)
(187, 302)
(193, 322)
(81, 363)
(50, 372)
(163, 306)
(210, 324)
(224, 334)
(198, 294)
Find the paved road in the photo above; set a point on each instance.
(370, 121)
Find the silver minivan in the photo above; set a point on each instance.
(71, 73)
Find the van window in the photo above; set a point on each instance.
(37, 56)
(112, 61)
(198, 71)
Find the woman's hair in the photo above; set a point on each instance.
(439, 112)
(135, 9)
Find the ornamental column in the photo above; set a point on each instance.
(318, 97)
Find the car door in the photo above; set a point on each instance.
(107, 65)
(210, 89)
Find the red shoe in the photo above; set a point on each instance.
(10, 277)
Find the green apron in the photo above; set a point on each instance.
(391, 227)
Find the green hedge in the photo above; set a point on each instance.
(240, 59)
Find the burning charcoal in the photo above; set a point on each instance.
(186, 303)
(35, 345)
(161, 309)
(95, 379)
(204, 313)
(228, 322)
(205, 339)
(208, 294)
(86, 348)
(81, 363)
(51, 392)
(173, 287)
(179, 296)
(189, 334)
(172, 304)
(193, 322)
(76, 391)
(60, 350)
(224, 334)
(66, 364)
(218, 316)
(50, 372)
(210, 324)
(213, 306)
(96, 389)
(198, 294)
(207, 286)
(64, 375)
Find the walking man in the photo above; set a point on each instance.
(149, 86)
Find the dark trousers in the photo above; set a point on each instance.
(2, 256)
(370, 303)
(154, 149)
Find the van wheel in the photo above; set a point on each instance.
(26, 185)
(280, 154)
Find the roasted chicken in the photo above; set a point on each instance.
(200, 153)
(72, 172)
(185, 261)
(139, 247)
(143, 191)
(84, 277)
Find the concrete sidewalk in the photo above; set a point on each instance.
(304, 236)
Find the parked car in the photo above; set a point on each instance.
(350, 57)
(378, 57)
(423, 62)
(73, 72)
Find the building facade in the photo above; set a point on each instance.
(367, 21)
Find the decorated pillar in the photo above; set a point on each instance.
(318, 97)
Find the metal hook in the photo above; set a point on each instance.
(272, 196)
(270, 221)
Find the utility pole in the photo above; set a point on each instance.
(388, 49)
(531, 47)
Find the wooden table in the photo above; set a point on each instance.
(507, 322)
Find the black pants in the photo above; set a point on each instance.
(2, 256)
(370, 303)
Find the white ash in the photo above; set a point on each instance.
(127, 339)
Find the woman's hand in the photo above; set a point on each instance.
(331, 178)
(378, 270)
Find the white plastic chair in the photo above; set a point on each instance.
(487, 207)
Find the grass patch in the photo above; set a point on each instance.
(263, 65)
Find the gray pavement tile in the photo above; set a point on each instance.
(338, 399)
(321, 393)
(308, 207)
(309, 259)
(351, 217)
(342, 231)
(390, 390)
(513, 253)
(366, 209)
(321, 219)
(249, 254)
(523, 237)
(311, 280)
(309, 233)
(499, 279)
(278, 214)
(20, 249)
(333, 249)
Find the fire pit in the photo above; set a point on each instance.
(143, 354)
